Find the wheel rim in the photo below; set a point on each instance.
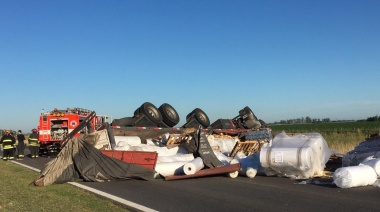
(203, 119)
(153, 113)
(171, 113)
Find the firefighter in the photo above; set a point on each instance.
(20, 145)
(8, 142)
(33, 144)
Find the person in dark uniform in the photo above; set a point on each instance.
(8, 141)
(20, 145)
(33, 144)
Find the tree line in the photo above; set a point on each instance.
(308, 120)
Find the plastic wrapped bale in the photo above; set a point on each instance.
(354, 176)
(364, 150)
(374, 163)
(300, 156)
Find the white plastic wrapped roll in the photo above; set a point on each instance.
(374, 163)
(251, 172)
(225, 145)
(193, 166)
(161, 151)
(235, 173)
(354, 176)
(234, 161)
(222, 158)
(135, 148)
(122, 147)
(131, 140)
(170, 168)
(210, 138)
(175, 158)
(250, 166)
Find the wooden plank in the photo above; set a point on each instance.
(247, 147)
(207, 172)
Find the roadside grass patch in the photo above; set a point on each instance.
(18, 194)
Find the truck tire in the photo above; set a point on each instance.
(137, 111)
(201, 117)
(126, 121)
(169, 115)
(189, 116)
(151, 112)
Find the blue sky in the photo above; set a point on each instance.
(283, 59)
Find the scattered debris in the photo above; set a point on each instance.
(183, 153)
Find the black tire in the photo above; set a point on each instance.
(169, 115)
(126, 121)
(201, 117)
(137, 111)
(151, 112)
(188, 117)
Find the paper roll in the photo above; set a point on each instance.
(193, 166)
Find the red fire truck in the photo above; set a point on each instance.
(55, 125)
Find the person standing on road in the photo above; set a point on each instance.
(20, 145)
(33, 144)
(8, 141)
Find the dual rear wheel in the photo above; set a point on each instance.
(164, 114)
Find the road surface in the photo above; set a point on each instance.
(220, 193)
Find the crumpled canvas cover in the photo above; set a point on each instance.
(81, 161)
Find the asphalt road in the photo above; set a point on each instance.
(221, 193)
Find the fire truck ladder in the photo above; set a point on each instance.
(78, 128)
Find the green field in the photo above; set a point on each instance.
(340, 136)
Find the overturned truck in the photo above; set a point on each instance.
(106, 155)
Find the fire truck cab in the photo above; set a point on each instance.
(55, 125)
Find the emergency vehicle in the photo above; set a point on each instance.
(55, 125)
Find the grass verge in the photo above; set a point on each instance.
(18, 195)
(342, 140)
